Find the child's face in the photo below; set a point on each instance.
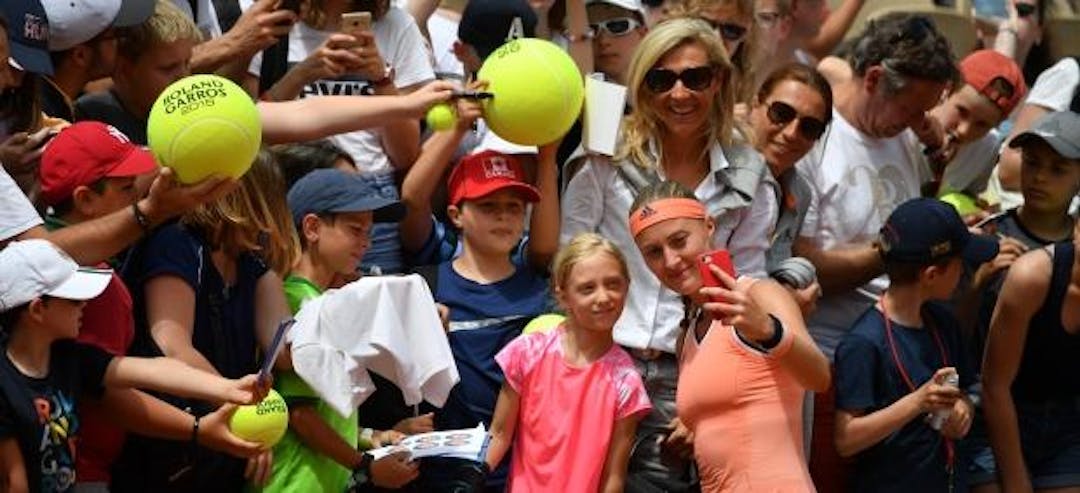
(968, 114)
(118, 194)
(1048, 181)
(671, 249)
(62, 318)
(342, 243)
(494, 222)
(149, 75)
(594, 292)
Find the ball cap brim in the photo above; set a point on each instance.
(1059, 129)
(336, 191)
(84, 284)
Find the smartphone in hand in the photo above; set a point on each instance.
(356, 23)
(719, 258)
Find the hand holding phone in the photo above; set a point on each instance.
(356, 24)
(720, 258)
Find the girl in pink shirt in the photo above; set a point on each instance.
(746, 357)
(572, 398)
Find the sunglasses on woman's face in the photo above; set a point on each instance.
(1025, 9)
(782, 114)
(728, 30)
(616, 27)
(661, 80)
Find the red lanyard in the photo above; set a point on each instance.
(950, 453)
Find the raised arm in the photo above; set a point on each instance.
(834, 28)
(1026, 285)
(258, 28)
(544, 223)
(427, 174)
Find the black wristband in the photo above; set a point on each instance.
(778, 334)
(361, 474)
(140, 218)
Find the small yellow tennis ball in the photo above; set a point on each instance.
(264, 422)
(202, 125)
(964, 203)
(543, 323)
(440, 117)
(538, 91)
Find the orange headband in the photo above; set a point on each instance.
(662, 210)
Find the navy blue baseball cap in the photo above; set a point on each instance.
(28, 35)
(925, 230)
(486, 24)
(333, 190)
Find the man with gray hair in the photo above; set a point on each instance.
(862, 170)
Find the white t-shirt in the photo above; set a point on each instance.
(856, 181)
(206, 17)
(400, 44)
(17, 214)
(443, 32)
(1055, 87)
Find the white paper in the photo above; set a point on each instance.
(604, 106)
(467, 444)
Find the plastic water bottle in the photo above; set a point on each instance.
(938, 418)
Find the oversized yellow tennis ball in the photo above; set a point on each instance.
(202, 125)
(543, 323)
(264, 422)
(538, 91)
(440, 117)
(964, 203)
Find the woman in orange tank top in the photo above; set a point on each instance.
(745, 357)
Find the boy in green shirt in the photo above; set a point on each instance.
(333, 211)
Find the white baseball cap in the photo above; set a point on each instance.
(73, 22)
(631, 5)
(32, 268)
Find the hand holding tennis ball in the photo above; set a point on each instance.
(440, 117)
(264, 422)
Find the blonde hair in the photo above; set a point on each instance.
(580, 247)
(642, 124)
(743, 58)
(168, 24)
(252, 218)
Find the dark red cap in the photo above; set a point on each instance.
(480, 174)
(85, 153)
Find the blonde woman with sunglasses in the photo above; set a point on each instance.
(681, 129)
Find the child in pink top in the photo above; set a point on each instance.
(572, 399)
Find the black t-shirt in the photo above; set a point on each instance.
(867, 379)
(106, 108)
(40, 412)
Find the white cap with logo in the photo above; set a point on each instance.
(74, 22)
(32, 268)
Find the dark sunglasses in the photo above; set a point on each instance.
(727, 30)
(782, 114)
(616, 27)
(1025, 9)
(660, 80)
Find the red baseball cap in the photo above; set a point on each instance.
(995, 76)
(480, 174)
(85, 153)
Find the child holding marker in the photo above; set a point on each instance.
(572, 398)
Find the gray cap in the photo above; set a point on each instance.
(1060, 129)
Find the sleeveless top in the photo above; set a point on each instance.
(1051, 360)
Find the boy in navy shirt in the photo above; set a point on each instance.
(892, 367)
